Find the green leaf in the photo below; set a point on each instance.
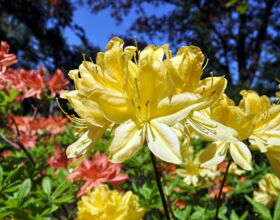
(24, 189)
(49, 210)
(276, 213)
(1, 176)
(231, 2)
(11, 175)
(244, 216)
(242, 8)
(259, 208)
(47, 185)
(222, 212)
(233, 216)
(61, 188)
(64, 199)
(6, 214)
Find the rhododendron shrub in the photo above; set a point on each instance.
(133, 115)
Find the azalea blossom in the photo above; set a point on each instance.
(57, 83)
(35, 82)
(142, 97)
(269, 188)
(106, 204)
(58, 160)
(6, 58)
(181, 204)
(215, 189)
(168, 169)
(255, 119)
(30, 83)
(29, 127)
(96, 171)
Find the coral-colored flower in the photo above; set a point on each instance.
(214, 192)
(56, 124)
(35, 82)
(11, 78)
(29, 82)
(96, 171)
(5, 154)
(6, 58)
(243, 179)
(58, 82)
(22, 124)
(168, 168)
(176, 189)
(181, 204)
(58, 160)
(28, 127)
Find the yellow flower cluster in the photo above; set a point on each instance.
(105, 204)
(142, 96)
(193, 172)
(269, 188)
(254, 119)
(152, 97)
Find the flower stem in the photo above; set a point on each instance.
(167, 197)
(219, 199)
(157, 176)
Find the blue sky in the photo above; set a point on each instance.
(100, 27)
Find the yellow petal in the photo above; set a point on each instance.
(274, 152)
(275, 164)
(187, 66)
(112, 58)
(113, 105)
(267, 129)
(85, 143)
(127, 141)
(210, 129)
(153, 81)
(213, 154)
(241, 155)
(172, 110)
(85, 108)
(163, 142)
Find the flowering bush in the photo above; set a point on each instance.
(150, 137)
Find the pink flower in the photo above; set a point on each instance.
(58, 82)
(56, 124)
(58, 160)
(6, 58)
(29, 82)
(35, 82)
(22, 123)
(96, 171)
(5, 154)
(28, 127)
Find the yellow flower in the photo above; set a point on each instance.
(105, 204)
(227, 125)
(255, 119)
(143, 95)
(269, 187)
(191, 172)
(266, 134)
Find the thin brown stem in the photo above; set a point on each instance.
(219, 199)
(21, 146)
(167, 196)
(157, 176)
